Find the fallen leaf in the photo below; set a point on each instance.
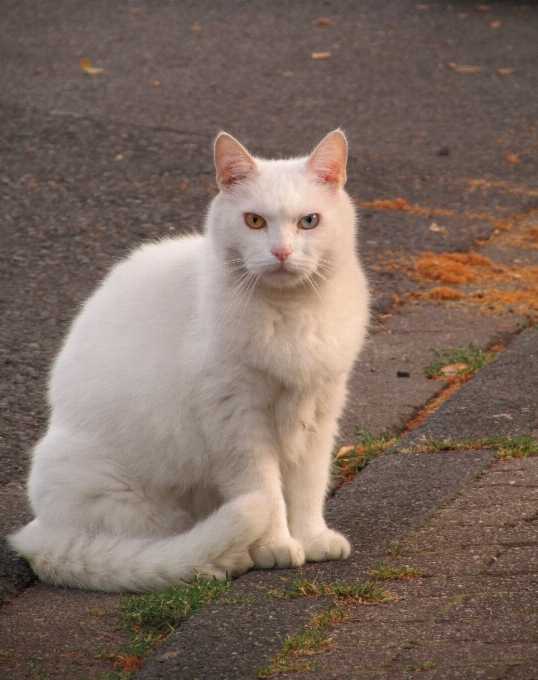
(463, 68)
(512, 158)
(505, 71)
(445, 293)
(482, 8)
(462, 15)
(495, 24)
(343, 451)
(324, 21)
(155, 83)
(90, 70)
(452, 369)
(320, 55)
(436, 227)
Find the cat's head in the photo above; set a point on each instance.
(282, 220)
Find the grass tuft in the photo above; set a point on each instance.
(350, 460)
(507, 447)
(473, 356)
(315, 639)
(426, 666)
(151, 617)
(382, 573)
(358, 593)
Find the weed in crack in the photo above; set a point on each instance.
(507, 447)
(382, 573)
(473, 357)
(350, 460)
(314, 639)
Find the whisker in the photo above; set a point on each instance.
(329, 283)
(234, 269)
(314, 287)
(238, 290)
(245, 307)
(237, 285)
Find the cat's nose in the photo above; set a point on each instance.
(281, 252)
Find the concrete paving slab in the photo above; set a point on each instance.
(387, 500)
(448, 625)
(379, 400)
(502, 400)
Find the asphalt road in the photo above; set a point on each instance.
(439, 102)
(92, 165)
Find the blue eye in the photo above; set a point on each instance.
(309, 221)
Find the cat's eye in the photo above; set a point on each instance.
(309, 221)
(255, 221)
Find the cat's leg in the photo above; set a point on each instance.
(261, 472)
(305, 489)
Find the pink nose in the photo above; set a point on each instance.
(281, 253)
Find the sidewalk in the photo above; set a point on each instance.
(465, 520)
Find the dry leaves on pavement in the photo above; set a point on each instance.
(88, 69)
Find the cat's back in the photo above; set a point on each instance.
(143, 312)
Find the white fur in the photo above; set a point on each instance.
(196, 398)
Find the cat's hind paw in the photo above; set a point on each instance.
(330, 545)
(282, 554)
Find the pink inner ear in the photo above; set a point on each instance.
(328, 160)
(233, 172)
(331, 173)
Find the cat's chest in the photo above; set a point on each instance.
(298, 345)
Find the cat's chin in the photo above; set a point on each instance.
(282, 278)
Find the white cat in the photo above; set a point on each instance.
(195, 401)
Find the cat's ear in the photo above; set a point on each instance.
(328, 160)
(233, 162)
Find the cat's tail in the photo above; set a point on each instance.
(214, 547)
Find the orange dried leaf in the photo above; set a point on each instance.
(324, 21)
(505, 71)
(385, 204)
(512, 158)
(445, 293)
(131, 662)
(463, 68)
(317, 56)
(90, 70)
(495, 24)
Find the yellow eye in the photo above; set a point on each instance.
(255, 221)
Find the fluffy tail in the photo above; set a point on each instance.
(214, 546)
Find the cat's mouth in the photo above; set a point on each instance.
(282, 269)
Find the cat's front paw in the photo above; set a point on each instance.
(329, 545)
(282, 554)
